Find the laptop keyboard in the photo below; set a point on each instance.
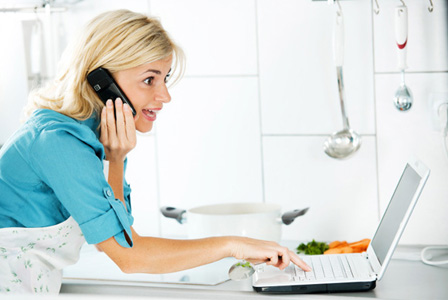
(326, 267)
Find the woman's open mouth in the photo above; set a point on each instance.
(150, 114)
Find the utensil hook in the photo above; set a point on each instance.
(431, 6)
(339, 12)
(377, 8)
(404, 4)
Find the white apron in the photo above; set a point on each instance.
(32, 259)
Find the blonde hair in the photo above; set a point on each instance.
(115, 40)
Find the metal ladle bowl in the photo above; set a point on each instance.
(346, 142)
(403, 96)
(342, 144)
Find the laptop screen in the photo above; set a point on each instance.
(395, 212)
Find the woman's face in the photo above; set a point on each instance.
(145, 86)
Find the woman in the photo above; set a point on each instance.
(54, 195)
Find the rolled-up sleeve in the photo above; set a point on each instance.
(69, 159)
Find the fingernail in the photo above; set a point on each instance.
(109, 103)
(118, 101)
(126, 107)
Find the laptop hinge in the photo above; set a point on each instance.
(372, 272)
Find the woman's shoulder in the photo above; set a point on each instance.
(51, 127)
(50, 121)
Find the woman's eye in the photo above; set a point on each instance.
(167, 77)
(148, 80)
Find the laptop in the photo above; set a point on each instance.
(351, 272)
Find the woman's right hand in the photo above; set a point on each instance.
(118, 135)
(259, 251)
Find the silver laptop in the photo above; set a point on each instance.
(351, 271)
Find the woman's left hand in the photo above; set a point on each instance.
(118, 134)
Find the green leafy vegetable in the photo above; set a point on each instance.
(313, 248)
(246, 265)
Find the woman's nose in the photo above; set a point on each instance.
(163, 95)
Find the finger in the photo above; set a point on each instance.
(103, 137)
(296, 260)
(273, 259)
(121, 133)
(285, 259)
(129, 123)
(110, 120)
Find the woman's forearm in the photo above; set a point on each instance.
(157, 255)
(115, 179)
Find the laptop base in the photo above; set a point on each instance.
(318, 288)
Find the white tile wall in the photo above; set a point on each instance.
(78, 15)
(427, 37)
(403, 135)
(218, 37)
(260, 96)
(13, 77)
(342, 195)
(141, 174)
(297, 74)
(209, 144)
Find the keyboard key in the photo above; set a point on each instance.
(346, 266)
(337, 267)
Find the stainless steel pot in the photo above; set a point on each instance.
(255, 220)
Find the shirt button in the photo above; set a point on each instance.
(108, 193)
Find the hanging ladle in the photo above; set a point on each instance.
(403, 96)
(346, 142)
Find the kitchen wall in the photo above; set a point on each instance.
(259, 98)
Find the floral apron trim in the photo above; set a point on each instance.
(32, 259)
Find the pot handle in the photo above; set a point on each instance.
(174, 213)
(289, 216)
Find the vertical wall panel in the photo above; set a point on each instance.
(141, 174)
(209, 144)
(13, 76)
(402, 136)
(297, 74)
(218, 37)
(341, 194)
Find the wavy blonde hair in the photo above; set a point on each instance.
(115, 40)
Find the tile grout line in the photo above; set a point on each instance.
(263, 197)
(408, 72)
(306, 134)
(375, 118)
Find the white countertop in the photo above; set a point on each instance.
(404, 279)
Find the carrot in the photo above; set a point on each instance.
(347, 250)
(360, 246)
(333, 251)
(337, 247)
(334, 244)
(338, 244)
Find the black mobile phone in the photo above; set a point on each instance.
(106, 88)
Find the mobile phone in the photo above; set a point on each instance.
(106, 88)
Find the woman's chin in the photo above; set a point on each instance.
(144, 129)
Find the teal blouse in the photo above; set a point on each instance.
(52, 168)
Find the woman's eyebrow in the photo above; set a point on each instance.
(153, 71)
